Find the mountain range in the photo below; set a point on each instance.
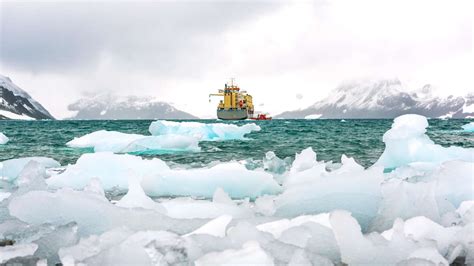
(357, 99)
(384, 99)
(15, 103)
(109, 106)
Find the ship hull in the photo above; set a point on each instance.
(232, 114)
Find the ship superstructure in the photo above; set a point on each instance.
(236, 105)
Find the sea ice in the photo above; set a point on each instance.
(233, 178)
(314, 190)
(15, 251)
(469, 127)
(216, 227)
(119, 142)
(250, 254)
(3, 139)
(121, 246)
(4, 195)
(136, 198)
(113, 170)
(357, 249)
(406, 142)
(92, 214)
(157, 179)
(202, 131)
(10, 169)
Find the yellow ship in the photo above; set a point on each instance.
(236, 105)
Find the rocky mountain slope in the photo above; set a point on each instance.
(15, 103)
(108, 106)
(384, 99)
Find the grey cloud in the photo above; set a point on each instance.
(166, 36)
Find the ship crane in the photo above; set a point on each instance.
(236, 104)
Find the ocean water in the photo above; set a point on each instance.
(361, 139)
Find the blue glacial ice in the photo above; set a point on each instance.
(167, 137)
(469, 127)
(406, 142)
(157, 179)
(119, 142)
(3, 139)
(307, 212)
(11, 169)
(202, 131)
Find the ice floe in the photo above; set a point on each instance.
(3, 139)
(10, 169)
(157, 179)
(406, 142)
(134, 143)
(167, 137)
(469, 127)
(202, 131)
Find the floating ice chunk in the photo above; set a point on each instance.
(216, 227)
(202, 131)
(429, 254)
(104, 140)
(273, 164)
(318, 191)
(265, 205)
(455, 181)
(3, 139)
(12, 168)
(136, 198)
(163, 144)
(157, 179)
(466, 211)
(122, 247)
(188, 208)
(111, 169)
(15, 251)
(4, 195)
(250, 254)
(32, 177)
(92, 214)
(469, 127)
(406, 142)
(276, 228)
(304, 160)
(93, 245)
(423, 229)
(405, 200)
(233, 178)
(221, 197)
(49, 244)
(95, 187)
(357, 249)
(119, 142)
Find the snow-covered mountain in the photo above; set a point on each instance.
(384, 99)
(15, 103)
(108, 106)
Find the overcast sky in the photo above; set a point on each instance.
(286, 54)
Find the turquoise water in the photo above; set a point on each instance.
(361, 139)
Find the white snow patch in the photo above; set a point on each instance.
(313, 116)
(14, 116)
